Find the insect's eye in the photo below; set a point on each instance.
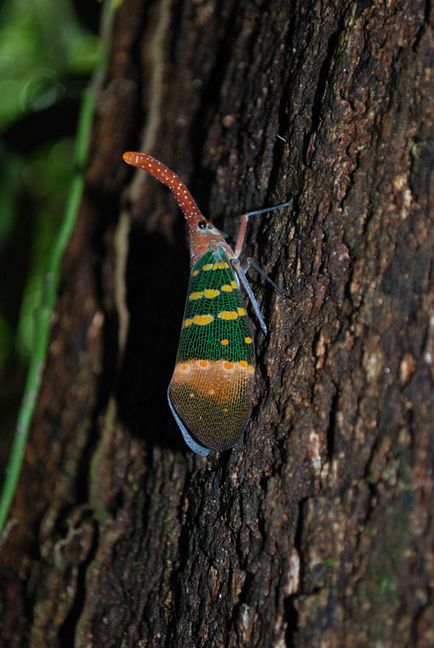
(202, 225)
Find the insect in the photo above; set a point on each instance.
(210, 392)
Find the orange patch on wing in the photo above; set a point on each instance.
(222, 382)
(214, 404)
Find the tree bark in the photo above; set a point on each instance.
(317, 529)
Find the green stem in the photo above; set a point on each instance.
(43, 315)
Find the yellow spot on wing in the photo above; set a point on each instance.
(248, 340)
(203, 320)
(227, 288)
(211, 293)
(195, 273)
(188, 322)
(224, 342)
(241, 311)
(207, 266)
(234, 284)
(244, 364)
(228, 315)
(195, 295)
(220, 265)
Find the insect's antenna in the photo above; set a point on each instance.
(268, 209)
(245, 220)
(162, 173)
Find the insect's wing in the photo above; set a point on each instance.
(210, 392)
(192, 444)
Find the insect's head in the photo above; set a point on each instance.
(203, 236)
(205, 227)
(202, 232)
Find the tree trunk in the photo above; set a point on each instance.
(317, 529)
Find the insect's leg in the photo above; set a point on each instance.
(252, 263)
(245, 283)
(245, 220)
(241, 272)
(192, 444)
(241, 235)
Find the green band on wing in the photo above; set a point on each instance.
(215, 325)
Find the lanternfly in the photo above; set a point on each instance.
(210, 393)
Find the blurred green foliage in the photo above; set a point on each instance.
(41, 42)
(46, 59)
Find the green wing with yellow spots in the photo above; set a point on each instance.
(211, 387)
(215, 325)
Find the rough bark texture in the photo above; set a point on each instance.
(317, 530)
